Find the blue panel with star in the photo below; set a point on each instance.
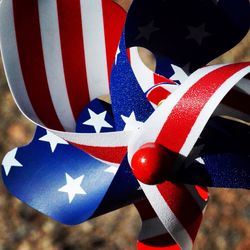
(96, 117)
(190, 33)
(56, 178)
(217, 169)
(129, 102)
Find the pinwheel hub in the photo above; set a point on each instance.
(152, 164)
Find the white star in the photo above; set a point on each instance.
(198, 33)
(200, 160)
(179, 74)
(53, 140)
(130, 122)
(10, 161)
(195, 156)
(146, 31)
(116, 55)
(97, 121)
(111, 170)
(72, 187)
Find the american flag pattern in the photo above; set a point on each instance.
(59, 56)
(62, 45)
(154, 233)
(63, 38)
(58, 183)
(182, 141)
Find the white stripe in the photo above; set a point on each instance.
(209, 108)
(11, 61)
(94, 47)
(143, 74)
(151, 228)
(161, 114)
(169, 87)
(17, 86)
(112, 139)
(53, 63)
(167, 217)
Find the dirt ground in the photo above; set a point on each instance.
(226, 223)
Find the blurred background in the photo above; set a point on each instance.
(226, 223)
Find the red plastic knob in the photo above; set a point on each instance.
(152, 164)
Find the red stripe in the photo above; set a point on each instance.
(161, 79)
(128, 55)
(113, 19)
(163, 242)
(157, 94)
(183, 205)
(203, 192)
(109, 154)
(71, 35)
(29, 43)
(185, 113)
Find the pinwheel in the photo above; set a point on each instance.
(111, 131)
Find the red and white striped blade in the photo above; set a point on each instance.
(178, 121)
(52, 51)
(146, 77)
(184, 211)
(176, 125)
